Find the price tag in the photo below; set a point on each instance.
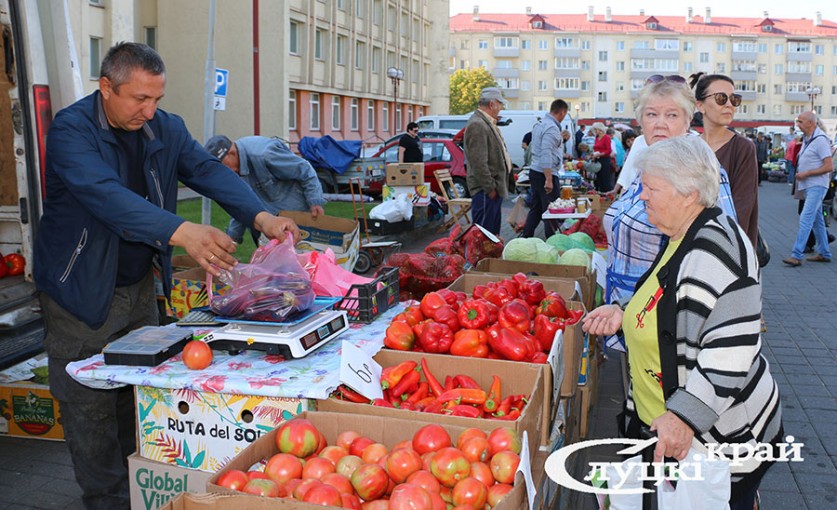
(525, 467)
(600, 265)
(360, 372)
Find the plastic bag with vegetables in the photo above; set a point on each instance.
(271, 287)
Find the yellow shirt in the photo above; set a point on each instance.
(639, 324)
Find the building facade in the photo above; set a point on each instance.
(598, 62)
(296, 67)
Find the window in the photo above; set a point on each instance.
(585, 85)
(797, 109)
(341, 50)
(391, 18)
(525, 65)
(360, 54)
(819, 49)
(777, 88)
(541, 65)
(761, 109)
(542, 85)
(525, 85)
(720, 67)
(482, 63)
(335, 113)
(687, 67)
(95, 57)
(508, 83)
(641, 45)
(355, 115)
(703, 58)
(761, 88)
(762, 48)
(620, 45)
(341, 4)
(834, 89)
(319, 35)
(687, 46)
(602, 75)
(819, 70)
(567, 83)
(483, 44)
(602, 56)
(744, 46)
(777, 109)
(744, 109)
(378, 12)
(666, 44)
(359, 8)
(398, 123)
(505, 42)
(541, 105)
(293, 38)
(314, 104)
(566, 63)
(385, 117)
(151, 37)
(370, 115)
(565, 42)
(292, 110)
(585, 45)
(779, 49)
(799, 67)
(620, 86)
(526, 44)
(744, 65)
(799, 47)
(778, 69)
(504, 64)
(376, 59)
(602, 97)
(543, 45)
(762, 69)
(619, 107)
(585, 65)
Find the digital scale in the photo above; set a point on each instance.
(295, 340)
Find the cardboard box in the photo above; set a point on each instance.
(188, 290)
(153, 484)
(405, 174)
(385, 430)
(518, 378)
(29, 410)
(418, 195)
(201, 430)
(339, 234)
(588, 385)
(572, 418)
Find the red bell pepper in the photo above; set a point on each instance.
(465, 410)
(435, 387)
(539, 358)
(515, 315)
(545, 329)
(407, 384)
(464, 396)
(532, 292)
(470, 342)
(400, 336)
(553, 305)
(574, 316)
(493, 311)
(430, 303)
(510, 286)
(460, 296)
(4, 269)
(435, 338)
(411, 315)
(446, 315)
(513, 345)
(15, 263)
(464, 381)
(492, 400)
(448, 295)
(418, 328)
(473, 314)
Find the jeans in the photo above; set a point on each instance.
(99, 425)
(487, 211)
(812, 219)
(791, 171)
(540, 203)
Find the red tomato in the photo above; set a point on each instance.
(358, 445)
(430, 438)
(298, 437)
(438, 502)
(370, 481)
(15, 263)
(504, 465)
(324, 495)
(425, 480)
(197, 355)
(304, 486)
(259, 487)
(468, 434)
(350, 501)
(283, 467)
(345, 438)
(317, 468)
(376, 504)
(470, 491)
(257, 475)
(333, 453)
(449, 466)
(373, 453)
(233, 479)
(339, 482)
(403, 463)
(503, 438)
(482, 472)
(408, 496)
(496, 492)
(475, 449)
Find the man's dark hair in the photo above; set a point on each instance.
(125, 57)
(559, 105)
(411, 126)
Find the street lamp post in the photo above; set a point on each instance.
(813, 92)
(396, 75)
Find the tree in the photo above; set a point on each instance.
(465, 87)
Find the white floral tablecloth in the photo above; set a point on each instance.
(249, 373)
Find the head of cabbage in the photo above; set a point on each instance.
(576, 257)
(583, 241)
(530, 250)
(561, 242)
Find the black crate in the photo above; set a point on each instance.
(366, 302)
(385, 228)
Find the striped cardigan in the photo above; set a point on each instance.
(713, 373)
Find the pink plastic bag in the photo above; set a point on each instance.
(328, 278)
(271, 287)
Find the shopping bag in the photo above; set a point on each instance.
(632, 481)
(710, 492)
(400, 209)
(327, 277)
(517, 217)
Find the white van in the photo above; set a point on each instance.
(513, 125)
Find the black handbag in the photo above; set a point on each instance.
(762, 251)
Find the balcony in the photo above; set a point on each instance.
(796, 97)
(747, 95)
(567, 52)
(800, 56)
(506, 52)
(798, 77)
(566, 72)
(743, 75)
(511, 93)
(644, 74)
(505, 72)
(568, 93)
(744, 55)
(651, 53)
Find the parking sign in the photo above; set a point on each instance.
(221, 80)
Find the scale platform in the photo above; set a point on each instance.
(288, 340)
(147, 346)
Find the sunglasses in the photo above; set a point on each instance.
(721, 98)
(657, 78)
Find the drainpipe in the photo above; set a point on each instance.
(256, 98)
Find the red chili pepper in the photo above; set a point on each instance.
(408, 406)
(435, 387)
(519, 402)
(351, 395)
(504, 408)
(397, 372)
(419, 394)
(445, 315)
(464, 381)
(382, 403)
(512, 345)
(513, 415)
(545, 329)
(422, 404)
(473, 314)
(449, 383)
(405, 385)
(470, 342)
(515, 315)
(465, 410)
(553, 305)
(435, 338)
(492, 400)
(434, 407)
(464, 396)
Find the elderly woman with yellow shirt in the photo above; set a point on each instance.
(692, 326)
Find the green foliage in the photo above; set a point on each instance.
(465, 87)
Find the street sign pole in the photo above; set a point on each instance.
(208, 103)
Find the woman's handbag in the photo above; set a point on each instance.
(762, 251)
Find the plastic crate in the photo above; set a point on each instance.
(385, 228)
(366, 302)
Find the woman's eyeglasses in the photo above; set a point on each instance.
(721, 98)
(657, 78)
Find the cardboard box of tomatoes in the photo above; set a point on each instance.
(153, 484)
(386, 432)
(514, 379)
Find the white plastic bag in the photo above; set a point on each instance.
(632, 481)
(399, 209)
(711, 492)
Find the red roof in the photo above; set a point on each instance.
(782, 27)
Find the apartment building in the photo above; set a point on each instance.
(598, 62)
(295, 67)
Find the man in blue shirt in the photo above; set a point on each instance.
(547, 160)
(282, 180)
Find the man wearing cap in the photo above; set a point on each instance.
(281, 179)
(488, 160)
(113, 160)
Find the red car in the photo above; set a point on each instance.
(438, 154)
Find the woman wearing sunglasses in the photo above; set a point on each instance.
(717, 102)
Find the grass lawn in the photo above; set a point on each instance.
(190, 210)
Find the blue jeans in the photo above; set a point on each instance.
(811, 219)
(487, 212)
(791, 171)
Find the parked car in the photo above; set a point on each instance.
(438, 154)
(422, 134)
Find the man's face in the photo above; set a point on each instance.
(232, 160)
(806, 124)
(413, 132)
(560, 115)
(135, 101)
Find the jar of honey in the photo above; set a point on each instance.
(567, 192)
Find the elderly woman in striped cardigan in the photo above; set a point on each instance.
(692, 326)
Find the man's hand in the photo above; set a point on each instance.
(276, 227)
(548, 182)
(675, 437)
(492, 194)
(317, 210)
(210, 247)
(604, 320)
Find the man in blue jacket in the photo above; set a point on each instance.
(113, 162)
(281, 179)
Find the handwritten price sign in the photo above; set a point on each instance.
(360, 372)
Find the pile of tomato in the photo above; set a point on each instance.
(459, 395)
(428, 472)
(513, 319)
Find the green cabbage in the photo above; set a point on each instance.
(530, 250)
(583, 241)
(576, 257)
(547, 254)
(561, 242)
